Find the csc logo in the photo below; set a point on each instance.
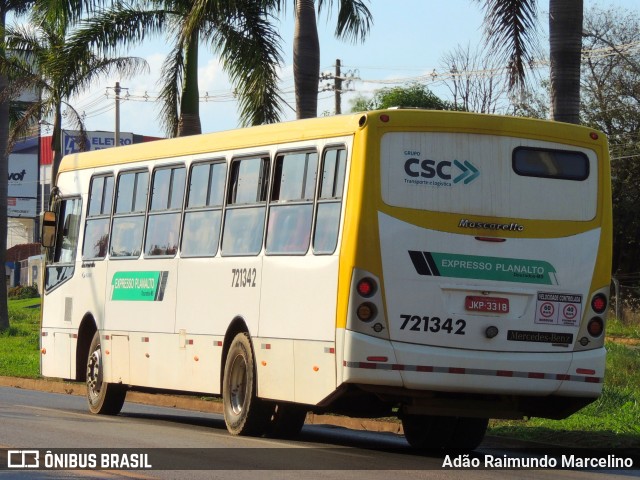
(428, 168)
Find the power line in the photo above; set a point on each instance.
(99, 103)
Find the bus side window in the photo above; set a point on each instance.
(66, 244)
(291, 206)
(96, 232)
(128, 219)
(246, 198)
(163, 227)
(329, 201)
(201, 232)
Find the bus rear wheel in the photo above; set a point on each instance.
(287, 420)
(424, 432)
(244, 412)
(103, 398)
(469, 433)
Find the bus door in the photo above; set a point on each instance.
(61, 268)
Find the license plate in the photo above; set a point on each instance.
(487, 304)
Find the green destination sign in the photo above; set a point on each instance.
(139, 286)
(483, 268)
(495, 268)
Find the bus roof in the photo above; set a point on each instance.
(217, 141)
(326, 127)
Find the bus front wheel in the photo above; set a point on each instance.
(244, 412)
(103, 398)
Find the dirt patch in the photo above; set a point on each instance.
(631, 342)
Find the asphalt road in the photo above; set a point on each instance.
(180, 439)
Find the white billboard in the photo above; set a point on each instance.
(22, 191)
(21, 207)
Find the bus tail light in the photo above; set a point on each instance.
(594, 318)
(366, 287)
(595, 327)
(366, 312)
(599, 303)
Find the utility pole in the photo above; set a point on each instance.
(117, 130)
(337, 88)
(340, 84)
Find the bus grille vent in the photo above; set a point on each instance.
(68, 308)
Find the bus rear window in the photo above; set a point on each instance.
(560, 164)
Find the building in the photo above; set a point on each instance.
(23, 265)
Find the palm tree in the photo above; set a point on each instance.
(306, 59)
(69, 9)
(44, 58)
(17, 7)
(354, 22)
(239, 30)
(565, 50)
(510, 27)
(4, 172)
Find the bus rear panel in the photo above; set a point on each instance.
(492, 286)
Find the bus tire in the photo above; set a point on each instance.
(469, 433)
(103, 398)
(426, 432)
(287, 420)
(244, 412)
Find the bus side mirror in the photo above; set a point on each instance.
(48, 233)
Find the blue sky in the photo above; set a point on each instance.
(408, 39)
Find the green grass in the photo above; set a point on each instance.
(611, 421)
(618, 328)
(20, 344)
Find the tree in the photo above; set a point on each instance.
(18, 7)
(565, 47)
(532, 103)
(611, 65)
(611, 103)
(354, 22)
(510, 28)
(474, 79)
(413, 96)
(239, 30)
(45, 59)
(4, 173)
(306, 59)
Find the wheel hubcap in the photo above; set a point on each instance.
(238, 384)
(94, 374)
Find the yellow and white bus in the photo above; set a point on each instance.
(446, 267)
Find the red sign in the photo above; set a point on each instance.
(487, 304)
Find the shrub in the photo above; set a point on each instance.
(23, 291)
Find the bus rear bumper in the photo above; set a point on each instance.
(372, 361)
